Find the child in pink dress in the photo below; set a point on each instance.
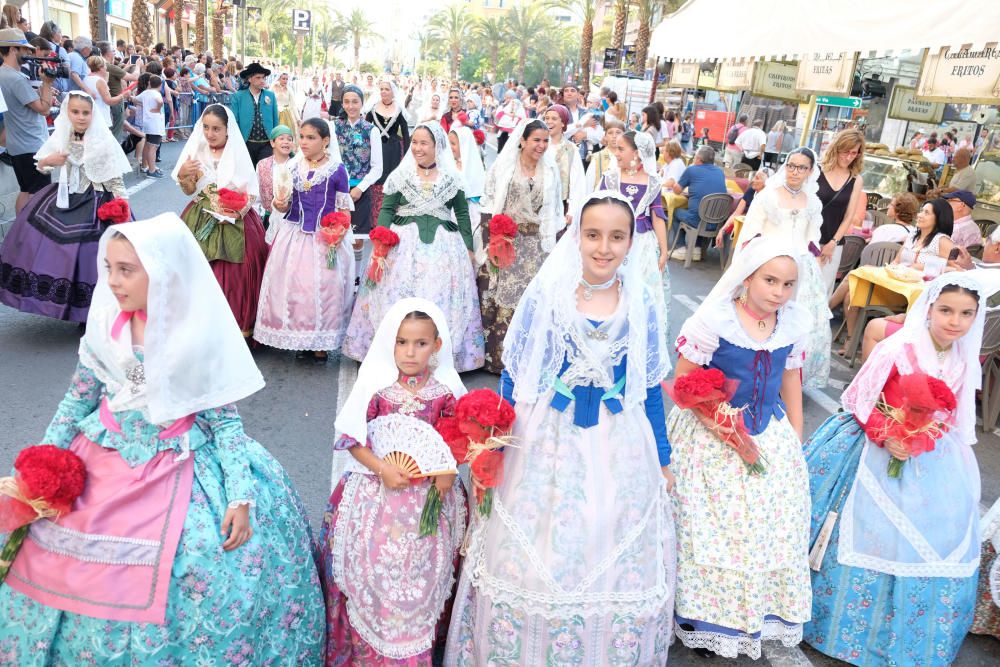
(386, 586)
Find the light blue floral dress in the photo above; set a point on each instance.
(259, 604)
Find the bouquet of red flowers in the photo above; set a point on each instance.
(332, 228)
(383, 240)
(231, 200)
(480, 137)
(477, 435)
(707, 392)
(924, 413)
(114, 211)
(500, 251)
(46, 481)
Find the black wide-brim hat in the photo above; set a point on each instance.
(254, 68)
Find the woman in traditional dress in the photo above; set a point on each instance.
(742, 575)
(567, 157)
(216, 158)
(575, 563)
(788, 208)
(431, 111)
(508, 118)
(361, 152)
(313, 98)
(389, 119)
(426, 207)
(286, 105)
(895, 580)
(189, 543)
(469, 160)
(386, 585)
(48, 261)
(522, 183)
(305, 303)
(633, 174)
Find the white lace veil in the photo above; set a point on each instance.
(864, 391)
(647, 157)
(379, 370)
(473, 170)
(235, 170)
(647, 152)
(195, 357)
(397, 101)
(543, 331)
(756, 252)
(811, 184)
(404, 179)
(498, 178)
(103, 158)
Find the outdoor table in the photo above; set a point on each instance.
(873, 286)
(673, 201)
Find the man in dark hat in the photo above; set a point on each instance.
(256, 111)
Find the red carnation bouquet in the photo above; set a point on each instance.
(925, 410)
(383, 240)
(477, 435)
(332, 229)
(46, 481)
(707, 392)
(114, 211)
(480, 137)
(231, 200)
(500, 250)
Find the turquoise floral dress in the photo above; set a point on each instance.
(259, 604)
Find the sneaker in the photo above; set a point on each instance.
(153, 174)
(681, 254)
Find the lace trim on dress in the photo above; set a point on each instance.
(558, 602)
(421, 202)
(397, 394)
(730, 646)
(299, 340)
(700, 335)
(300, 171)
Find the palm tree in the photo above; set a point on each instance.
(200, 27)
(492, 32)
(358, 28)
(650, 12)
(621, 21)
(585, 10)
(526, 23)
(93, 9)
(179, 31)
(452, 25)
(142, 24)
(218, 20)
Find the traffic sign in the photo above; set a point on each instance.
(301, 20)
(847, 102)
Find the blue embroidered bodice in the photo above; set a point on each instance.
(759, 373)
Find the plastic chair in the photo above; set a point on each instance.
(990, 353)
(742, 170)
(873, 199)
(976, 250)
(850, 255)
(986, 227)
(874, 254)
(879, 254)
(880, 218)
(712, 210)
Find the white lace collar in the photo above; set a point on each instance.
(793, 324)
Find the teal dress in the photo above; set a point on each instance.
(258, 604)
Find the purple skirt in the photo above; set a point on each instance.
(48, 262)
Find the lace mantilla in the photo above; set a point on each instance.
(421, 202)
(401, 433)
(731, 646)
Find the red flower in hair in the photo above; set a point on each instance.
(115, 211)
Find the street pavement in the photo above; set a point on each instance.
(293, 415)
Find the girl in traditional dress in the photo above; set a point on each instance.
(313, 98)
(189, 543)
(510, 116)
(633, 174)
(233, 241)
(286, 105)
(742, 575)
(469, 160)
(788, 208)
(361, 151)
(575, 564)
(386, 586)
(522, 183)
(389, 119)
(282, 145)
(433, 260)
(603, 159)
(305, 304)
(48, 261)
(567, 157)
(896, 584)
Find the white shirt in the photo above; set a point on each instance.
(673, 169)
(751, 141)
(152, 122)
(894, 232)
(936, 156)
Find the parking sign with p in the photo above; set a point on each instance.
(301, 20)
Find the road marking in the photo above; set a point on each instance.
(785, 656)
(141, 185)
(347, 375)
(688, 302)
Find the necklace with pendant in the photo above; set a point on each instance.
(792, 192)
(942, 354)
(428, 169)
(588, 289)
(312, 166)
(761, 325)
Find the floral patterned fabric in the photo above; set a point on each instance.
(987, 617)
(258, 604)
(866, 617)
(742, 573)
(385, 586)
(500, 292)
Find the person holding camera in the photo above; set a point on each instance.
(27, 110)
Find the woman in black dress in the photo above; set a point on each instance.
(842, 194)
(389, 119)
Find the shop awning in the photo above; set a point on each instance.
(787, 29)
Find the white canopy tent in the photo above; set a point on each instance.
(787, 29)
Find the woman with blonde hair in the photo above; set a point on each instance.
(674, 167)
(842, 194)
